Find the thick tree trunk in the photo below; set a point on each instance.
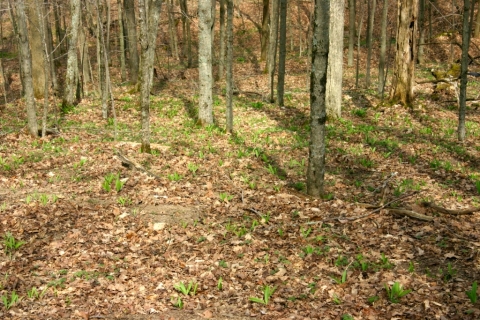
(205, 30)
(371, 17)
(36, 47)
(26, 64)
(282, 53)
(333, 98)
(229, 109)
(72, 62)
(383, 49)
(404, 66)
(318, 116)
(132, 39)
(272, 49)
(351, 31)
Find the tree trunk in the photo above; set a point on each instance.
(132, 39)
(221, 58)
(464, 68)
(36, 47)
(72, 62)
(121, 37)
(333, 98)
(476, 32)
(351, 31)
(371, 17)
(272, 48)
(229, 110)
(383, 48)
(172, 29)
(318, 116)
(404, 66)
(421, 28)
(26, 64)
(205, 30)
(265, 29)
(187, 36)
(46, 64)
(282, 53)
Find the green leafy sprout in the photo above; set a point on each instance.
(267, 293)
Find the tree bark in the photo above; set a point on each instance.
(46, 64)
(383, 49)
(132, 39)
(26, 64)
(187, 35)
(121, 37)
(318, 116)
(172, 29)
(351, 31)
(36, 47)
(205, 30)
(464, 68)
(333, 98)
(421, 28)
(229, 88)
(272, 48)
(72, 61)
(404, 66)
(371, 18)
(282, 53)
(221, 58)
(265, 29)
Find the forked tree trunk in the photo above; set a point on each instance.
(404, 65)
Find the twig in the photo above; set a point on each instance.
(449, 211)
(255, 211)
(131, 164)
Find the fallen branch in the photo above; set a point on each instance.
(411, 214)
(133, 165)
(449, 211)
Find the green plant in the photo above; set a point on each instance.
(267, 293)
(373, 299)
(191, 288)
(472, 293)
(411, 267)
(177, 302)
(43, 199)
(347, 317)
(220, 284)
(336, 299)
(123, 201)
(343, 278)
(271, 169)
(33, 293)
(384, 263)
(192, 167)
(119, 184)
(174, 177)
(299, 186)
(9, 302)
(396, 292)
(11, 244)
(449, 273)
(225, 197)
(223, 264)
(341, 261)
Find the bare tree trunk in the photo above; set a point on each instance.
(351, 30)
(72, 62)
(265, 29)
(464, 68)
(360, 24)
(205, 30)
(383, 48)
(421, 27)
(173, 31)
(282, 53)
(149, 15)
(229, 109)
(404, 66)
(333, 99)
(476, 32)
(132, 39)
(36, 47)
(102, 57)
(371, 17)
(121, 36)
(221, 58)
(318, 115)
(46, 65)
(187, 36)
(272, 48)
(26, 64)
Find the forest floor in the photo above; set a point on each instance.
(213, 221)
